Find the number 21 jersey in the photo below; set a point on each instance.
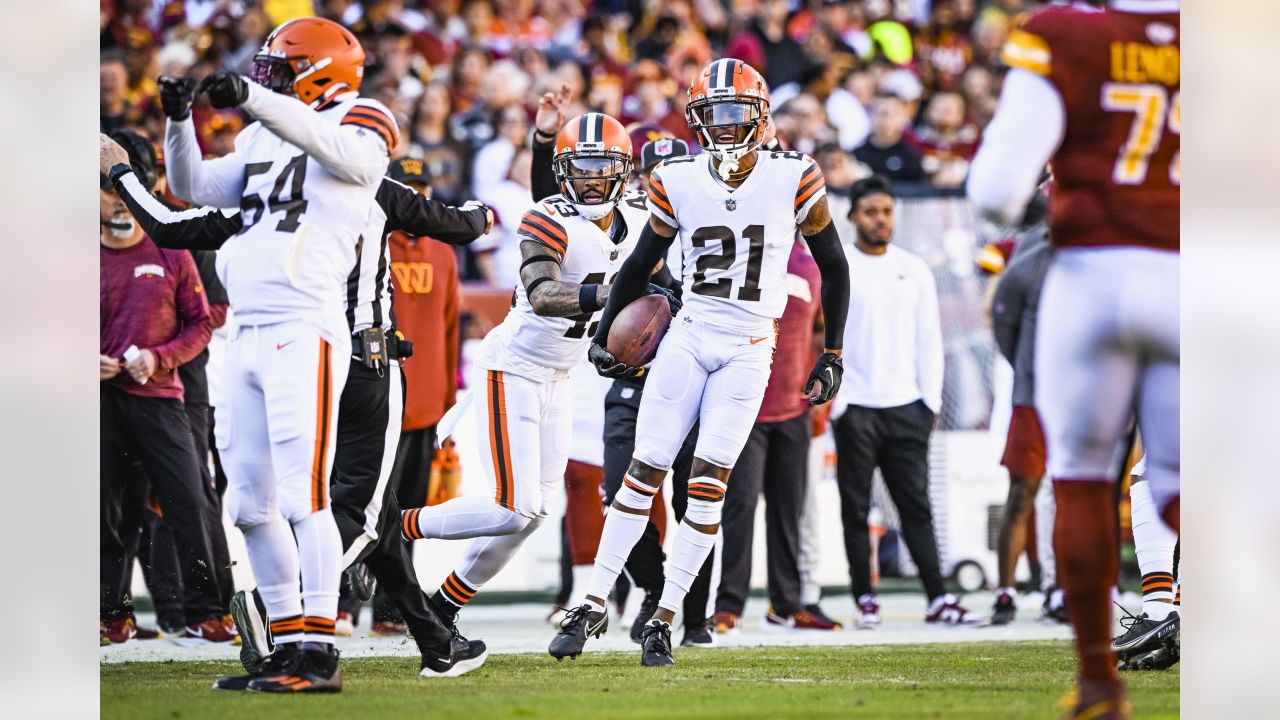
(736, 241)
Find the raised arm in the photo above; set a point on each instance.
(552, 107)
(218, 182)
(204, 228)
(415, 214)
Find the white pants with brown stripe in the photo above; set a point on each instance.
(524, 428)
(275, 427)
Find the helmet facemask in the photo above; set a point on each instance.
(273, 73)
(713, 121)
(593, 182)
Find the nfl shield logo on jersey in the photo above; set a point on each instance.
(730, 204)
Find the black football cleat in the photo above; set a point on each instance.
(459, 658)
(581, 622)
(286, 660)
(1143, 635)
(698, 635)
(318, 672)
(360, 580)
(1005, 610)
(250, 616)
(657, 645)
(648, 606)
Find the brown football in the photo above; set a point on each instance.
(638, 329)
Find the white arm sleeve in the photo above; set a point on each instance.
(929, 351)
(218, 182)
(1021, 139)
(353, 156)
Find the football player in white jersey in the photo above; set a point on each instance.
(573, 244)
(304, 176)
(729, 208)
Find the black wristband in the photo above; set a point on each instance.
(587, 298)
(543, 138)
(119, 169)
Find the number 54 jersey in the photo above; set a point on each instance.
(736, 241)
(542, 347)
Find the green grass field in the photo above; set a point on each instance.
(971, 680)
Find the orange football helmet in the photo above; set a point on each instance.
(728, 109)
(311, 58)
(592, 147)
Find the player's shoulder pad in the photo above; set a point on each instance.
(541, 224)
(1054, 29)
(811, 181)
(369, 114)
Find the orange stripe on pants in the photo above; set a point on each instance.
(324, 406)
(499, 443)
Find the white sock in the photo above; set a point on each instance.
(486, 556)
(273, 554)
(622, 530)
(688, 552)
(468, 517)
(1153, 541)
(320, 562)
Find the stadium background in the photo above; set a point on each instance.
(463, 78)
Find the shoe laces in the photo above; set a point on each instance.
(661, 635)
(574, 618)
(1129, 620)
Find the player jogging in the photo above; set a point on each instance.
(573, 245)
(304, 177)
(1097, 92)
(736, 210)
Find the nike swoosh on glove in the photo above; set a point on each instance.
(826, 373)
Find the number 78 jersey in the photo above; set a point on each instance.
(736, 241)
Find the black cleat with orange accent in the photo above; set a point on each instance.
(577, 625)
(318, 672)
(285, 660)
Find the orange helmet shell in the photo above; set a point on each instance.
(325, 57)
(593, 135)
(728, 80)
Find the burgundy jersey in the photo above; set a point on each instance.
(1116, 178)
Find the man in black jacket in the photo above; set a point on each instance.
(369, 409)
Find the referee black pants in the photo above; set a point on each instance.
(145, 440)
(645, 564)
(896, 440)
(366, 449)
(775, 462)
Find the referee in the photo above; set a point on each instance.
(369, 411)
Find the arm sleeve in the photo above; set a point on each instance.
(834, 267)
(193, 313)
(204, 228)
(544, 183)
(345, 149)
(929, 350)
(664, 278)
(415, 214)
(218, 182)
(633, 278)
(1023, 136)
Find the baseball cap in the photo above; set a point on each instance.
(655, 151)
(410, 170)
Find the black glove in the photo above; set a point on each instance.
(672, 299)
(608, 366)
(176, 95)
(225, 89)
(826, 373)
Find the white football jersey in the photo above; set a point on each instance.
(735, 242)
(302, 226)
(590, 256)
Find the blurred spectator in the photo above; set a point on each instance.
(511, 127)
(251, 32)
(942, 51)
(444, 157)
(978, 86)
(497, 254)
(945, 141)
(886, 151)
(840, 173)
(113, 81)
(600, 51)
(650, 100)
(655, 44)
(802, 124)
(784, 59)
